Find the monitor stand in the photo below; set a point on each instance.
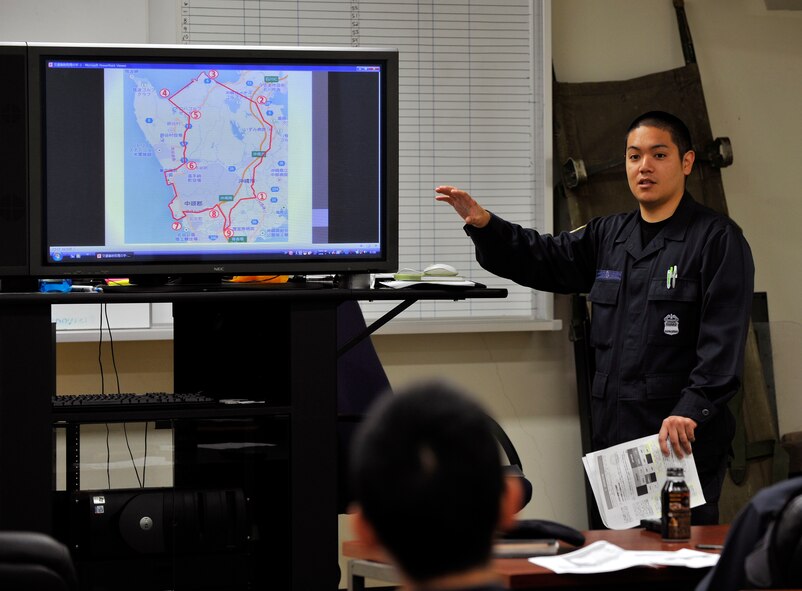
(148, 280)
(168, 283)
(353, 280)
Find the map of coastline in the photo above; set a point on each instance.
(215, 142)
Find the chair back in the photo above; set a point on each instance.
(777, 558)
(32, 560)
(763, 548)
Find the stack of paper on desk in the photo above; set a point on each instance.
(627, 479)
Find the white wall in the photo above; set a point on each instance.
(74, 21)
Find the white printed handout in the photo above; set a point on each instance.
(604, 557)
(627, 479)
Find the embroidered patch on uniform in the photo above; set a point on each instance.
(608, 274)
(671, 325)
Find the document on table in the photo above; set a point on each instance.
(604, 557)
(627, 479)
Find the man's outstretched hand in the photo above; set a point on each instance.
(468, 209)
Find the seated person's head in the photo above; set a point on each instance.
(428, 482)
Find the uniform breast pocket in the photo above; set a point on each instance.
(604, 296)
(673, 313)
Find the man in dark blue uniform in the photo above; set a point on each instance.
(671, 286)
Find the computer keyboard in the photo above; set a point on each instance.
(156, 400)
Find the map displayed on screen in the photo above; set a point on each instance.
(210, 150)
(177, 161)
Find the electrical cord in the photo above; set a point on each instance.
(141, 481)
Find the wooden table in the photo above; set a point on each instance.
(519, 573)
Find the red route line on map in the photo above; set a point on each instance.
(226, 218)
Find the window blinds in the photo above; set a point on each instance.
(474, 112)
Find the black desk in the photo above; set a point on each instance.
(223, 339)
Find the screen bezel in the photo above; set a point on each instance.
(387, 260)
(14, 256)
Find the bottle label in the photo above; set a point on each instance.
(676, 515)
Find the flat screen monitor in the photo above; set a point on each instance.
(213, 161)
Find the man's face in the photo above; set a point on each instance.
(655, 170)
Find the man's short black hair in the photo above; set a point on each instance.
(679, 132)
(427, 474)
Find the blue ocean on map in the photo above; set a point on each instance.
(147, 196)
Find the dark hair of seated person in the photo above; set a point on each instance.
(428, 480)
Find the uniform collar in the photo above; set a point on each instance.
(678, 225)
(675, 229)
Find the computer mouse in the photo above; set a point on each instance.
(440, 270)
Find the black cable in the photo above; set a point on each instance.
(117, 377)
(100, 353)
(108, 458)
(131, 453)
(145, 458)
(102, 391)
(111, 345)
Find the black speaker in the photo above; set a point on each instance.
(13, 168)
(159, 522)
(150, 539)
